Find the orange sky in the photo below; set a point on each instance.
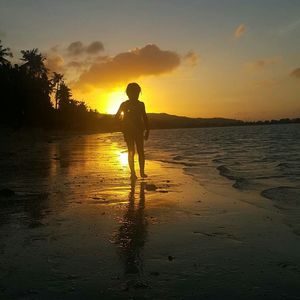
(234, 59)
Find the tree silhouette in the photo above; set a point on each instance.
(25, 96)
(56, 81)
(36, 88)
(34, 63)
(64, 96)
(4, 52)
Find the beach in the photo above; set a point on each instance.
(73, 225)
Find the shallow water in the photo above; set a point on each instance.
(253, 157)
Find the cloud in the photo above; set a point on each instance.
(84, 67)
(295, 73)
(77, 48)
(54, 62)
(240, 31)
(261, 64)
(74, 59)
(94, 47)
(148, 60)
(192, 58)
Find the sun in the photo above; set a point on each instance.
(114, 99)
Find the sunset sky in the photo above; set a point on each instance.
(199, 58)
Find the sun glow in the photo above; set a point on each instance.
(123, 158)
(114, 99)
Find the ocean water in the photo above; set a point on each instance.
(265, 159)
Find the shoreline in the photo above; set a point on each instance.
(65, 132)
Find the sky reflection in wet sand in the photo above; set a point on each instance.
(75, 214)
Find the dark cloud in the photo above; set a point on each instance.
(148, 60)
(77, 48)
(94, 47)
(295, 73)
(74, 59)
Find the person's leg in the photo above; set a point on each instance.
(140, 149)
(130, 148)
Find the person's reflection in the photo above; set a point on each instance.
(133, 231)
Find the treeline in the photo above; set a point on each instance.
(26, 92)
(270, 122)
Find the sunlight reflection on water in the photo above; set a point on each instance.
(123, 158)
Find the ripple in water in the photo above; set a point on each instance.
(254, 157)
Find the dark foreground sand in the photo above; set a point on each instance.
(73, 226)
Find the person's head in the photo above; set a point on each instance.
(133, 91)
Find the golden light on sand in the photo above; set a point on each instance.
(114, 99)
(123, 158)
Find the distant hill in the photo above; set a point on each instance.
(163, 120)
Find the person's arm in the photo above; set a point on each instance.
(118, 114)
(146, 123)
(117, 124)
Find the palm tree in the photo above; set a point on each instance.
(64, 95)
(56, 81)
(4, 52)
(34, 63)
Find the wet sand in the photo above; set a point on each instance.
(73, 226)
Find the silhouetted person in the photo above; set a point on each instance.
(135, 127)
